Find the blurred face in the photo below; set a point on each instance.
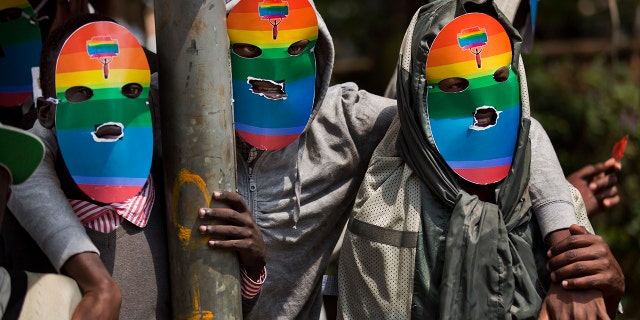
(473, 98)
(273, 69)
(20, 46)
(103, 121)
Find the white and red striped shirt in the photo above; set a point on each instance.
(106, 218)
(249, 288)
(137, 210)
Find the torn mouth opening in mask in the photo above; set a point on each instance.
(484, 118)
(268, 88)
(108, 132)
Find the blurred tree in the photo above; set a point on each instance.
(587, 99)
(367, 37)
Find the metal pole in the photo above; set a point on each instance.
(198, 152)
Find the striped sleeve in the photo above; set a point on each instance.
(250, 288)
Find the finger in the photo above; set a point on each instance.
(228, 215)
(594, 281)
(618, 166)
(613, 164)
(606, 190)
(230, 245)
(228, 231)
(590, 171)
(586, 172)
(610, 202)
(604, 182)
(607, 193)
(574, 241)
(566, 266)
(232, 199)
(581, 268)
(576, 229)
(588, 253)
(251, 256)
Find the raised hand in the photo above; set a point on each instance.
(598, 185)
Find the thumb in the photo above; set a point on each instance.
(575, 229)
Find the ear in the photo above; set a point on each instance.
(46, 112)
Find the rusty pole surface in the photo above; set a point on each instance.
(198, 152)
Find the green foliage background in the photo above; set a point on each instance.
(584, 120)
(585, 100)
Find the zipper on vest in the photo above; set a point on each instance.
(252, 190)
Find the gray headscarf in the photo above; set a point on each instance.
(489, 268)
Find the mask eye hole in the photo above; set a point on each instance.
(246, 50)
(131, 90)
(453, 84)
(78, 94)
(501, 75)
(10, 14)
(298, 47)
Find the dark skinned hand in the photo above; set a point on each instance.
(101, 296)
(237, 231)
(563, 304)
(584, 261)
(597, 184)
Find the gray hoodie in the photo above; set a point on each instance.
(302, 195)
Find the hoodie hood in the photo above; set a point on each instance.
(324, 59)
(412, 81)
(475, 227)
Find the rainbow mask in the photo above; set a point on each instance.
(273, 68)
(103, 122)
(20, 46)
(473, 98)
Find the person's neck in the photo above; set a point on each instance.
(485, 193)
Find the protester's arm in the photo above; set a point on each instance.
(598, 185)
(553, 206)
(584, 261)
(551, 198)
(101, 295)
(39, 204)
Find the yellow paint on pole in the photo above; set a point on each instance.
(184, 233)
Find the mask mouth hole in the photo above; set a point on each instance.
(484, 117)
(108, 132)
(269, 89)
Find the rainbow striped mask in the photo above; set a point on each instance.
(20, 46)
(103, 122)
(273, 68)
(473, 98)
